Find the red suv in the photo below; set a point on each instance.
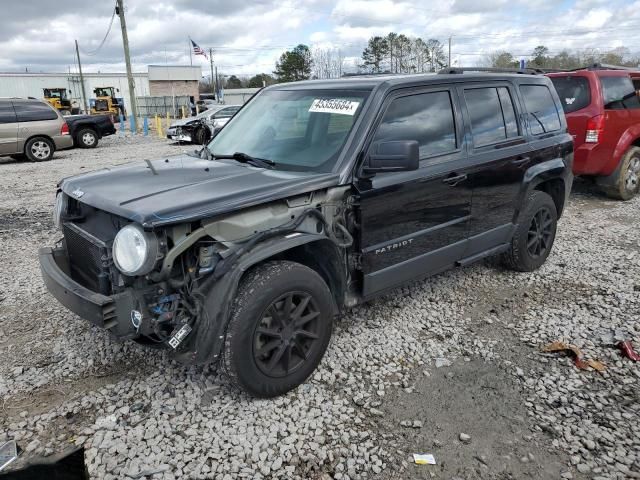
(603, 115)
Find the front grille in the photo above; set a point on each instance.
(65, 103)
(102, 105)
(89, 259)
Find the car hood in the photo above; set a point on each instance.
(183, 188)
(185, 121)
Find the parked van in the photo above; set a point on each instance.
(31, 129)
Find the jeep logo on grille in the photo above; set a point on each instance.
(77, 193)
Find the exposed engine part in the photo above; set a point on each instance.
(207, 259)
(226, 263)
(178, 335)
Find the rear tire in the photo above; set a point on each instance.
(39, 149)
(87, 138)
(535, 233)
(627, 182)
(279, 329)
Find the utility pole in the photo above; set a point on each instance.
(213, 85)
(449, 52)
(127, 59)
(84, 94)
(217, 86)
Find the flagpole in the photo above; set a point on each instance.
(190, 51)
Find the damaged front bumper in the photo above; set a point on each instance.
(112, 313)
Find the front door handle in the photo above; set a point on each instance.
(521, 161)
(454, 180)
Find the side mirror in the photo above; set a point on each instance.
(393, 156)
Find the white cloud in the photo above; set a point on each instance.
(250, 35)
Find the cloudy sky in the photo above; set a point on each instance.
(249, 35)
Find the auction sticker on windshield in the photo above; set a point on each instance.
(334, 105)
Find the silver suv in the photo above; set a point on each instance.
(31, 129)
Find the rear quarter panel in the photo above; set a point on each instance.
(46, 128)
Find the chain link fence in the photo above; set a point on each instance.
(150, 106)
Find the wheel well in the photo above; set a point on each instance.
(24, 148)
(79, 128)
(636, 142)
(325, 259)
(556, 190)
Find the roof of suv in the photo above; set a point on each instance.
(368, 82)
(596, 69)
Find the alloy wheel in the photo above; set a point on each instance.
(632, 178)
(540, 232)
(286, 334)
(88, 138)
(40, 149)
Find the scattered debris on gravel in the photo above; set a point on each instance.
(451, 366)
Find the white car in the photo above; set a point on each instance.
(199, 129)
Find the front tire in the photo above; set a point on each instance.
(535, 233)
(627, 181)
(39, 149)
(201, 136)
(279, 330)
(87, 138)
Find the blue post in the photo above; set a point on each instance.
(132, 124)
(145, 126)
(121, 123)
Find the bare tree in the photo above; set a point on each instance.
(327, 63)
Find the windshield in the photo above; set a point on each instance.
(301, 130)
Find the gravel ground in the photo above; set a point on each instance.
(449, 366)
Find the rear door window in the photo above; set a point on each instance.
(34, 111)
(618, 93)
(574, 92)
(541, 109)
(7, 114)
(493, 118)
(425, 117)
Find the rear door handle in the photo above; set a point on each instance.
(521, 161)
(455, 179)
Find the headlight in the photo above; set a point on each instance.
(59, 209)
(135, 251)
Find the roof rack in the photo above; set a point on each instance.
(592, 67)
(521, 71)
(605, 66)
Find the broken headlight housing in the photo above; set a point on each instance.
(135, 251)
(59, 209)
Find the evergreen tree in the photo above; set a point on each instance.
(260, 80)
(375, 53)
(294, 65)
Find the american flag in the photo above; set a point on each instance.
(197, 50)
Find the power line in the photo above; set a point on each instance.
(91, 54)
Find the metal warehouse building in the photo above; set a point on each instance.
(159, 80)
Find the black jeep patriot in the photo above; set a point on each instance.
(315, 197)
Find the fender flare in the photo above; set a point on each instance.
(207, 337)
(626, 140)
(549, 170)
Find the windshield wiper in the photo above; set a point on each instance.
(245, 158)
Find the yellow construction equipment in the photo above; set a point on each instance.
(57, 98)
(107, 102)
